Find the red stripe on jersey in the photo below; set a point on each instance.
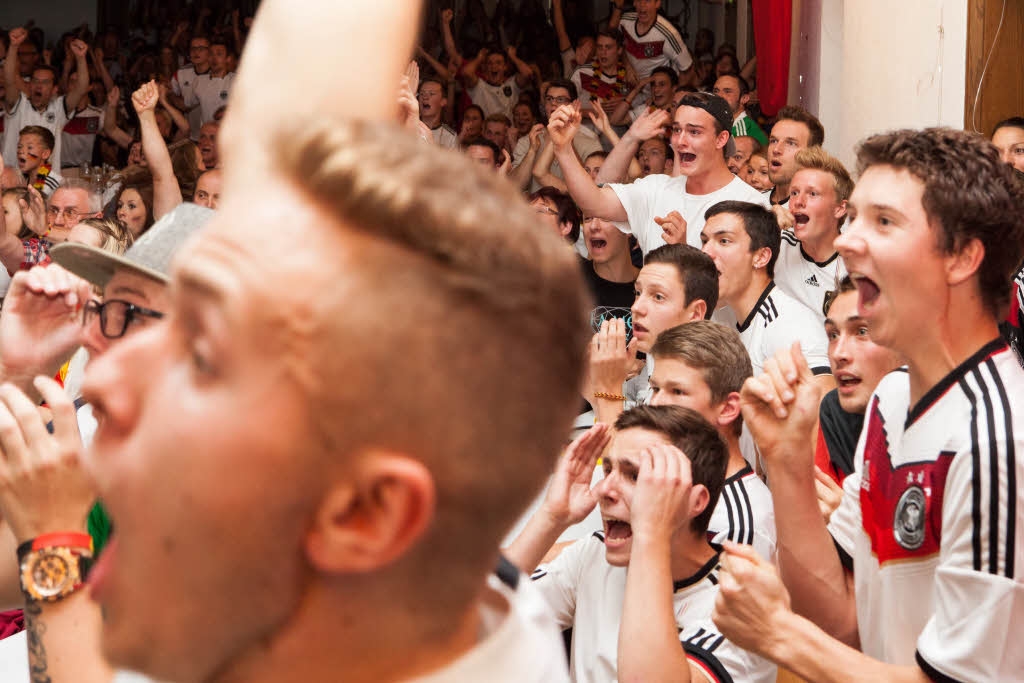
(901, 508)
(598, 87)
(646, 50)
(83, 125)
(704, 667)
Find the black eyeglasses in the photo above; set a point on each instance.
(115, 316)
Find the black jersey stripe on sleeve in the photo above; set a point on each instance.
(667, 31)
(1011, 472)
(993, 473)
(931, 672)
(975, 479)
(741, 517)
(507, 572)
(750, 512)
(728, 512)
(709, 663)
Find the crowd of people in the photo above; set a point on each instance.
(560, 362)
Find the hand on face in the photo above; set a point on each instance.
(42, 321)
(780, 406)
(43, 488)
(784, 216)
(664, 497)
(751, 600)
(569, 498)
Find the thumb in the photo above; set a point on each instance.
(660, 221)
(803, 370)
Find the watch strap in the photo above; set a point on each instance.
(76, 540)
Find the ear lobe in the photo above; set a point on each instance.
(699, 499)
(965, 262)
(723, 139)
(729, 409)
(762, 257)
(698, 309)
(565, 229)
(840, 210)
(369, 521)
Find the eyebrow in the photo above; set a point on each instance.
(129, 290)
(878, 207)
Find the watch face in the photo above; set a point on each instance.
(50, 574)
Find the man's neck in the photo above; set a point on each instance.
(737, 115)
(689, 555)
(822, 248)
(357, 644)
(732, 443)
(779, 193)
(644, 28)
(619, 268)
(432, 120)
(712, 181)
(933, 353)
(744, 303)
(200, 72)
(218, 73)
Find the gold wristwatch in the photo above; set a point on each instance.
(53, 566)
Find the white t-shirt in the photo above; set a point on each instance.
(658, 195)
(79, 136)
(744, 514)
(587, 594)
(519, 642)
(495, 99)
(585, 143)
(52, 117)
(933, 519)
(809, 282)
(445, 136)
(661, 45)
(776, 321)
(210, 93)
(183, 85)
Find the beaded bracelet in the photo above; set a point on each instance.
(611, 397)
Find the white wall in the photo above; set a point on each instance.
(883, 64)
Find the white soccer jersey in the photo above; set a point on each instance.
(776, 321)
(183, 85)
(79, 136)
(809, 282)
(586, 593)
(495, 99)
(744, 514)
(934, 524)
(445, 136)
(661, 45)
(52, 117)
(210, 93)
(658, 195)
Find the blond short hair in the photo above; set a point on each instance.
(472, 332)
(818, 159)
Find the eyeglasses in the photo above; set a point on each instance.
(70, 215)
(115, 316)
(557, 100)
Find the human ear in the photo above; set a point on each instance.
(373, 518)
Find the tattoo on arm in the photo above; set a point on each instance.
(35, 628)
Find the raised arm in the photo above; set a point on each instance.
(447, 16)
(468, 70)
(542, 168)
(621, 159)
(568, 500)
(601, 202)
(780, 408)
(110, 127)
(523, 173)
(166, 192)
(620, 115)
(13, 85)
(439, 68)
(524, 71)
(79, 49)
(179, 119)
(558, 18)
(616, 15)
(101, 69)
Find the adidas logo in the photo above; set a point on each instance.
(813, 281)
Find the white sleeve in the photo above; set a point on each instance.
(978, 592)
(813, 341)
(568, 62)
(558, 581)
(682, 59)
(638, 199)
(583, 95)
(175, 85)
(845, 522)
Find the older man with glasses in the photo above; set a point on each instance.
(50, 221)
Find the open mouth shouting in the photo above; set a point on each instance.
(847, 382)
(867, 292)
(616, 532)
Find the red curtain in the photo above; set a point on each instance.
(773, 27)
